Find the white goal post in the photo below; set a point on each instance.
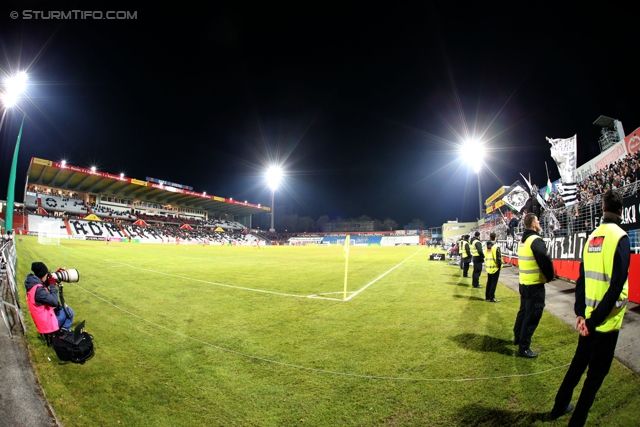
(49, 233)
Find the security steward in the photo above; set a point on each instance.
(465, 255)
(535, 269)
(602, 293)
(478, 259)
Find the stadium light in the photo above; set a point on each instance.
(473, 155)
(274, 176)
(15, 86)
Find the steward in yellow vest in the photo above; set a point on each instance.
(601, 300)
(465, 255)
(493, 263)
(478, 259)
(536, 269)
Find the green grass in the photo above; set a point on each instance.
(184, 338)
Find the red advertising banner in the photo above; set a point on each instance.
(632, 141)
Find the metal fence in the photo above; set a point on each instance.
(9, 305)
(581, 217)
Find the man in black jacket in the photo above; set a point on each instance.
(535, 269)
(601, 298)
(478, 259)
(465, 255)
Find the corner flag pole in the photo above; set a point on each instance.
(12, 182)
(346, 265)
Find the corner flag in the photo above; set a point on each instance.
(346, 247)
(346, 265)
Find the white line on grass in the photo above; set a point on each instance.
(313, 296)
(306, 368)
(216, 283)
(382, 275)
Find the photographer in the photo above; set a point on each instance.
(42, 298)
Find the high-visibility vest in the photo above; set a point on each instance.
(43, 315)
(463, 248)
(530, 273)
(491, 261)
(474, 250)
(598, 266)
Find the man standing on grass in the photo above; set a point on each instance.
(465, 255)
(536, 269)
(478, 259)
(601, 301)
(494, 265)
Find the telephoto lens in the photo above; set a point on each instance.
(69, 276)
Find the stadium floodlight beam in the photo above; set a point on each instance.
(15, 86)
(473, 155)
(274, 176)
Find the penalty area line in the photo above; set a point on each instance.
(382, 275)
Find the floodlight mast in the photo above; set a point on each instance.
(15, 86)
(274, 175)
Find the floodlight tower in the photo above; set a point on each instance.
(473, 155)
(274, 176)
(14, 87)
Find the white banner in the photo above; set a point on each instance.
(563, 151)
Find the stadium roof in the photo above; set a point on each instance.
(82, 180)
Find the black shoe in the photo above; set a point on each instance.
(477, 286)
(527, 353)
(465, 276)
(554, 416)
(493, 300)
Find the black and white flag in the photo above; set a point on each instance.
(569, 193)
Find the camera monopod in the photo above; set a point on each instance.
(69, 276)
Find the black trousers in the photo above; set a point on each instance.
(477, 269)
(492, 283)
(529, 315)
(595, 351)
(465, 266)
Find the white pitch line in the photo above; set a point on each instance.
(382, 275)
(313, 296)
(216, 283)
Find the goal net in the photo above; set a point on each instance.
(49, 233)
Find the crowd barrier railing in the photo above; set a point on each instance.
(9, 305)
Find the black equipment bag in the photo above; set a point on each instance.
(70, 348)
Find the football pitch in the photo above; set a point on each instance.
(238, 336)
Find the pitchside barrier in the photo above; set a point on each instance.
(9, 305)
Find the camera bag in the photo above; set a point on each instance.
(72, 348)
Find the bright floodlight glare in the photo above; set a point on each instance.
(274, 175)
(64, 163)
(15, 87)
(93, 168)
(473, 154)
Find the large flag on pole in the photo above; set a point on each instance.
(12, 182)
(563, 151)
(547, 192)
(346, 264)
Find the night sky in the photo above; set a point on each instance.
(364, 106)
